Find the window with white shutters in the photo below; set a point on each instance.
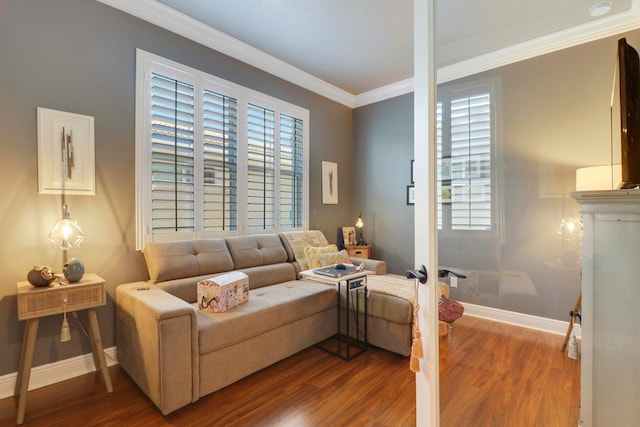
(261, 173)
(291, 171)
(172, 162)
(465, 138)
(214, 158)
(220, 162)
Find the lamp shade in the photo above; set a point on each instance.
(598, 178)
(66, 234)
(360, 226)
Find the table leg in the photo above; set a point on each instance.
(25, 336)
(96, 348)
(346, 315)
(24, 371)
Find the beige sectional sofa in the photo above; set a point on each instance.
(177, 354)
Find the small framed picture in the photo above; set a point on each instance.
(413, 180)
(411, 195)
(329, 183)
(445, 168)
(445, 194)
(349, 235)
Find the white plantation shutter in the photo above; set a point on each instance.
(220, 158)
(291, 171)
(214, 158)
(172, 155)
(464, 148)
(261, 168)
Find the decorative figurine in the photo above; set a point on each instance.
(73, 270)
(41, 276)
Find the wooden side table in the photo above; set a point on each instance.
(34, 303)
(359, 251)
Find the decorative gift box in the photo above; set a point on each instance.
(221, 293)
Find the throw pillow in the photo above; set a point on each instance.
(322, 260)
(448, 310)
(311, 251)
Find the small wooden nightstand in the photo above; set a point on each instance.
(34, 303)
(359, 251)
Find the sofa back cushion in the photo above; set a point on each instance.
(188, 258)
(266, 275)
(255, 251)
(296, 241)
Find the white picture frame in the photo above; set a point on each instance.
(329, 183)
(349, 236)
(411, 195)
(445, 168)
(66, 153)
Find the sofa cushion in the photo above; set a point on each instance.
(189, 258)
(391, 298)
(296, 241)
(268, 308)
(253, 251)
(186, 288)
(311, 252)
(330, 258)
(271, 274)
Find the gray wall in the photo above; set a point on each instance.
(79, 56)
(555, 118)
(383, 153)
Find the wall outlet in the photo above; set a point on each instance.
(453, 281)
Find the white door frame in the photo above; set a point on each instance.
(427, 382)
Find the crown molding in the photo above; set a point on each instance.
(165, 17)
(601, 28)
(386, 92)
(595, 30)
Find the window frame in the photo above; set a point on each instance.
(148, 63)
(492, 86)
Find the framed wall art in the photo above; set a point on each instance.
(349, 235)
(445, 194)
(413, 177)
(411, 195)
(329, 183)
(445, 168)
(66, 153)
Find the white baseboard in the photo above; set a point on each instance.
(52, 373)
(63, 370)
(544, 324)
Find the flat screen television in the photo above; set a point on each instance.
(629, 71)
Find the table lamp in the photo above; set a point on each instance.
(66, 234)
(360, 226)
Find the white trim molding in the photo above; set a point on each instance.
(165, 17)
(56, 372)
(385, 92)
(528, 321)
(595, 30)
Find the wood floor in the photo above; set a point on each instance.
(491, 375)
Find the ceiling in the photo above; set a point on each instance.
(359, 46)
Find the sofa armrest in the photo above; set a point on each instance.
(378, 267)
(157, 344)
